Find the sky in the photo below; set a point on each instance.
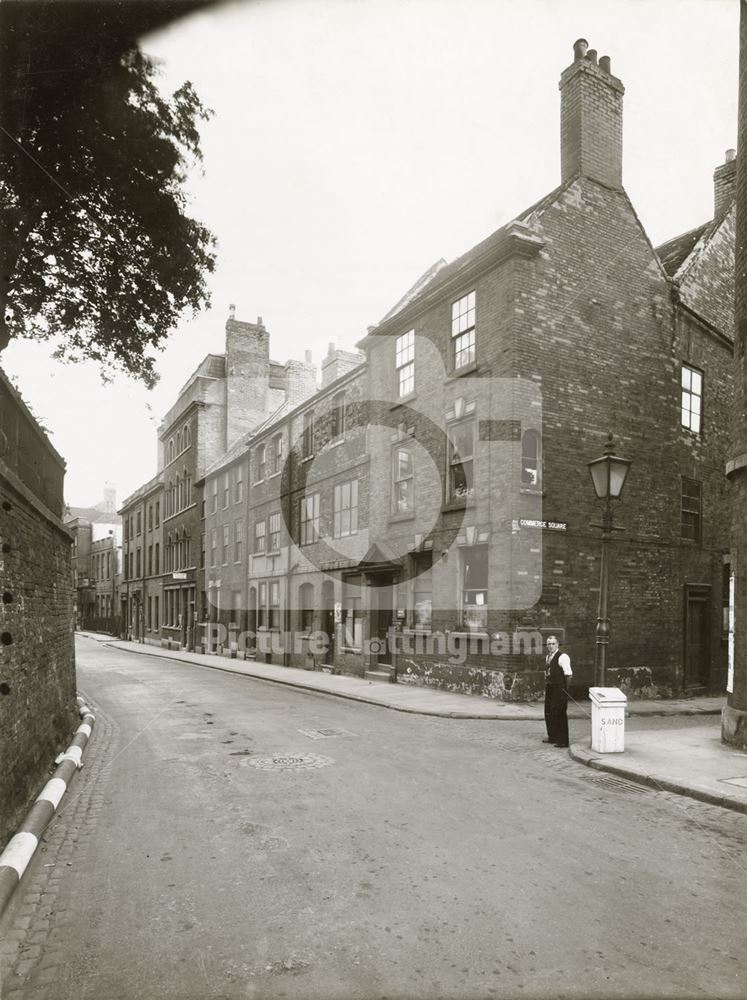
(355, 142)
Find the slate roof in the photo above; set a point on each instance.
(675, 252)
(441, 272)
(92, 514)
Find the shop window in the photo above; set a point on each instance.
(422, 607)
(306, 605)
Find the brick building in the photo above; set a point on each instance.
(96, 531)
(428, 514)
(571, 298)
(169, 521)
(142, 608)
(37, 663)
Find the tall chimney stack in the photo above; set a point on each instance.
(724, 185)
(590, 119)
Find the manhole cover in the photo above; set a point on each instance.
(289, 762)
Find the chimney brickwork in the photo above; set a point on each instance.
(301, 380)
(591, 119)
(338, 363)
(247, 376)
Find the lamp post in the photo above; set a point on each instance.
(608, 474)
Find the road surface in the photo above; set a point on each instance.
(230, 838)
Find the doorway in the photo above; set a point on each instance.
(382, 616)
(328, 620)
(697, 667)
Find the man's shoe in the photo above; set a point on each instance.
(560, 744)
(547, 741)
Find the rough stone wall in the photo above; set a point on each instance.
(37, 660)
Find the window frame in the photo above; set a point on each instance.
(397, 480)
(307, 435)
(464, 325)
(339, 408)
(531, 456)
(276, 454)
(261, 463)
(309, 525)
(463, 462)
(688, 395)
(464, 622)
(338, 510)
(274, 529)
(691, 512)
(260, 537)
(238, 540)
(404, 364)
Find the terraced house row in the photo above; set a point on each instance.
(427, 513)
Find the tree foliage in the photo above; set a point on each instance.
(98, 249)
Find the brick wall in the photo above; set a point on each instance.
(37, 665)
(591, 123)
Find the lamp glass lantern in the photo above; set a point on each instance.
(608, 474)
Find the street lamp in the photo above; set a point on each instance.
(608, 474)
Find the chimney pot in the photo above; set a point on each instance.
(330, 348)
(259, 321)
(307, 357)
(232, 311)
(731, 154)
(605, 64)
(590, 120)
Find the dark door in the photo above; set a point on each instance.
(697, 654)
(382, 618)
(328, 620)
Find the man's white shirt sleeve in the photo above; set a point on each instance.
(564, 661)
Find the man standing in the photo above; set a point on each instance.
(557, 677)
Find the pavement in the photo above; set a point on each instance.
(689, 761)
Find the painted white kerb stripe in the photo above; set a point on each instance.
(84, 728)
(19, 852)
(74, 754)
(53, 791)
